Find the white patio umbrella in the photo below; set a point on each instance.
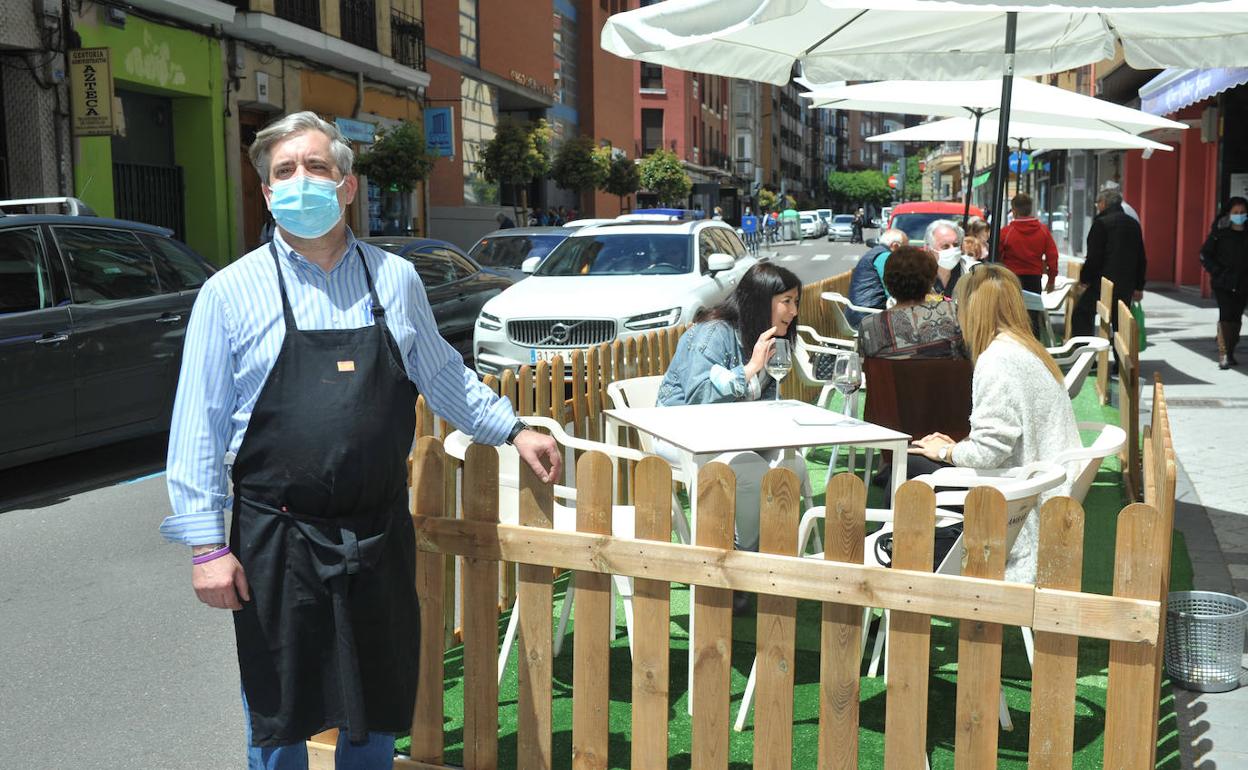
(927, 39)
(1031, 136)
(1034, 103)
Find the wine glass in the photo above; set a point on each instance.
(847, 375)
(779, 363)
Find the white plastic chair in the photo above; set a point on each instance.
(643, 392)
(1078, 356)
(623, 517)
(841, 299)
(810, 343)
(1021, 488)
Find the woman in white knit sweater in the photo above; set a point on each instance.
(1020, 412)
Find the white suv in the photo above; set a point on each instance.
(607, 282)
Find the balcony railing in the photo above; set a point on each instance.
(359, 22)
(305, 13)
(407, 40)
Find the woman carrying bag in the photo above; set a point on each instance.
(1225, 256)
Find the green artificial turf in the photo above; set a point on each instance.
(1101, 506)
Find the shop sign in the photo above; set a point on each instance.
(91, 92)
(531, 83)
(357, 130)
(440, 132)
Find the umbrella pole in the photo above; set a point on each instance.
(969, 184)
(1003, 136)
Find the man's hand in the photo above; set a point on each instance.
(219, 583)
(1136, 297)
(533, 448)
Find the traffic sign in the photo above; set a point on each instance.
(892, 181)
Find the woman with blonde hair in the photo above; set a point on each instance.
(1020, 412)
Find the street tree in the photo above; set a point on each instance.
(398, 160)
(622, 178)
(518, 154)
(578, 166)
(663, 174)
(853, 188)
(767, 200)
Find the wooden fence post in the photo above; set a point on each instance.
(841, 634)
(1059, 564)
(651, 622)
(480, 584)
(1130, 709)
(979, 643)
(591, 664)
(909, 634)
(1104, 330)
(533, 643)
(428, 500)
(777, 626)
(712, 618)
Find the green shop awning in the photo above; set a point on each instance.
(981, 179)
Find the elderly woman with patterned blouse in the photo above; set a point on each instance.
(923, 324)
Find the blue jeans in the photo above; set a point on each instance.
(375, 754)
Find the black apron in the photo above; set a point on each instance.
(321, 526)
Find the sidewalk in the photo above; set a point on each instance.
(1208, 418)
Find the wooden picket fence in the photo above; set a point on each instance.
(1055, 608)
(1105, 330)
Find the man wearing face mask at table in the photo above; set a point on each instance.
(303, 358)
(943, 240)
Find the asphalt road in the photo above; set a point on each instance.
(108, 659)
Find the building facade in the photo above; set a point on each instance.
(34, 139)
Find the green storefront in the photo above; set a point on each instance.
(168, 165)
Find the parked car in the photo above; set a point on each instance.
(609, 282)
(821, 227)
(810, 225)
(93, 313)
(826, 216)
(913, 218)
(502, 252)
(457, 286)
(841, 228)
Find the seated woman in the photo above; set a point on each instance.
(1020, 411)
(723, 358)
(920, 325)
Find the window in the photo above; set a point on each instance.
(651, 76)
(177, 268)
(620, 254)
(468, 30)
(106, 265)
(651, 130)
(439, 266)
(565, 60)
(726, 242)
(25, 284)
(510, 251)
(478, 117)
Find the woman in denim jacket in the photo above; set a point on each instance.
(713, 365)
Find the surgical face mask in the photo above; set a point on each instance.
(1239, 219)
(306, 206)
(949, 258)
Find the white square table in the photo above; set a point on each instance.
(703, 430)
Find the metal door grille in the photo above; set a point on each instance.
(151, 194)
(561, 333)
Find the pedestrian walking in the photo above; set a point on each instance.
(860, 219)
(1225, 256)
(504, 222)
(1115, 250)
(1028, 250)
(303, 360)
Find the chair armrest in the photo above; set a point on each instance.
(803, 329)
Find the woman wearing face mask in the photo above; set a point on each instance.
(723, 358)
(1225, 256)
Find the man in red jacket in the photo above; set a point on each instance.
(1027, 247)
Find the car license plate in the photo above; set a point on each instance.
(548, 355)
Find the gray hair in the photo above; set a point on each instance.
(296, 123)
(1109, 197)
(929, 236)
(893, 237)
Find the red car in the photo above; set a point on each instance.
(913, 218)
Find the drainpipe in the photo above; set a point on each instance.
(359, 95)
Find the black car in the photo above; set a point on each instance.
(502, 252)
(93, 313)
(456, 285)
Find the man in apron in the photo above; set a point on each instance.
(303, 359)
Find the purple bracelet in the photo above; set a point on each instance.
(203, 558)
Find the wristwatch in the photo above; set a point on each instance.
(942, 454)
(515, 431)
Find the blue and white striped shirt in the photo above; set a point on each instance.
(232, 341)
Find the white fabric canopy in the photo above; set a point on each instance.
(1032, 103)
(923, 39)
(1032, 136)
